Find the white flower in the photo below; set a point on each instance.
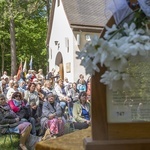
(119, 64)
(96, 58)
(110, 31)
(129, 29)
(147, 46)
(94, 40)
(132, 49)
(87, 63)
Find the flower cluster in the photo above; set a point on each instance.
(116, 51)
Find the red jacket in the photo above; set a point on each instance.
(13, 107)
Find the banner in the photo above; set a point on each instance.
(25, 66)
(30, 64)
(19, 71)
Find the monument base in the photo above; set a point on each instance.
(138, 144)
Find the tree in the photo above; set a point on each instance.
(28, 27)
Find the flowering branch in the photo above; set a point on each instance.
(116, 51)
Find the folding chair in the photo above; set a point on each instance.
(5, 132)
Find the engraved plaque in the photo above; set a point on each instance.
(132, 105)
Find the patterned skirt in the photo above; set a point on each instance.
(56, 126)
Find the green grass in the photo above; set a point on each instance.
(8, 145)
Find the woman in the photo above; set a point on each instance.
(12, 90)
(81, 110)
(52, 116)
(41, 95)
(62, 96)
(48, 87)
(74, 92)
(40, 75)
(18, 105)
(88, 92)
(7, 116)
(31, 96)
(33, 99)
(81, 86)
(10, 84)
(22, 109)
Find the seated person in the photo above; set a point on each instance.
(62, 96)
(74, 92)
(42, 96)
(19, 106)
(52, 116)
(7, 116)
(81, 112)
(81, 86)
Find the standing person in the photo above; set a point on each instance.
(82, 109)
(7, 116)
(52, 116)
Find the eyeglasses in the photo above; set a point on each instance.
(17, 96)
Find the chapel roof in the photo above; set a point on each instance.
(85, 12)
(81, 14)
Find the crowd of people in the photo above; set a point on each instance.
(38, 100)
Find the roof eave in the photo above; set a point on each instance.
(50, 22)
(86, 28)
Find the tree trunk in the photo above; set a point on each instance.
(3, 49)
(13, 47)
(48, 5)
